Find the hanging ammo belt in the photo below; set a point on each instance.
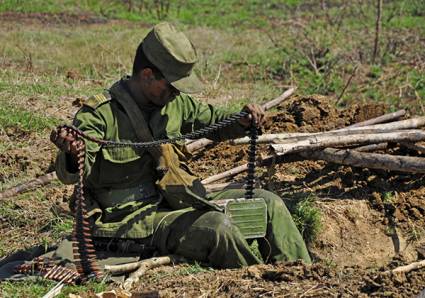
(83, 247)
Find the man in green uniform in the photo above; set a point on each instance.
(122, 182)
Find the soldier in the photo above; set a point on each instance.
(122, 183)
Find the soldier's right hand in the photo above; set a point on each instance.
(64, 141)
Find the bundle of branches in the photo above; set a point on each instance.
(352, 145)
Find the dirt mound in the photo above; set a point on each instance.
(318, 113)
(352, 234)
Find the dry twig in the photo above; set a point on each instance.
(407, 268)
(145, 265)
(20, 188)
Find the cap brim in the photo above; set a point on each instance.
(189, 84)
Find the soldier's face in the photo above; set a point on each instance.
(162, 92)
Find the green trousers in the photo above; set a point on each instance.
(205, 236)
(210, 237)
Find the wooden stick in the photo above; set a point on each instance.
(377, 30)
(122, 268)
(353, 73)
(372, 147)
(20, 188)
(198, 144)
(267, 138)
(275, 102)
(229, 173)
(201, 143)
(381, 119)
(222, 186)
(407, 268)
(265, 161)
(345, 140)
(369, 160)
(55, 291)
(145, 265)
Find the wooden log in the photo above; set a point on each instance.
(317, 142)
(201, 143)
(368, 160)
(20, 188)
(397, 125)
(415, 122)
(381, 119)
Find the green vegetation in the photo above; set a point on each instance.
(192, 269)
(318, 48)
(24, 119)
(42, 286)
(389, 198)
(307, 217)
(217, 13)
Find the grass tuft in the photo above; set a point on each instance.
(307, 217)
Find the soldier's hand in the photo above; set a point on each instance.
(256, 113)
(64, 141)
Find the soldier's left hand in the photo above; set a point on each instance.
(256, 113)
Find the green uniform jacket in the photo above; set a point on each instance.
(120, 181)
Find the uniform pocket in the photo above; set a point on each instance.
(121, 167)
(120, 154)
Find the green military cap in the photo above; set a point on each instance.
(174, 55)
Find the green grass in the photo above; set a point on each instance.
(25, 120)
(191, 269)
(217, 13)
(59, 226)
(41, 286)
(307, 217)
(239, 54)
(389, 198)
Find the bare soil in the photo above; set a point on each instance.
(281, 280)
(46, 18)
